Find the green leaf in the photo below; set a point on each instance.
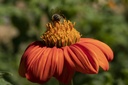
(3, 82)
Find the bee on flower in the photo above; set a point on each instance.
(62, 52)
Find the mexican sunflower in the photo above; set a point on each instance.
(61, 52)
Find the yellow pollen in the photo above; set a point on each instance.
(60, 34)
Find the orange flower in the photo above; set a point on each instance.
(62, 52)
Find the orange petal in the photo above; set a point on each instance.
(67, 74)
(29, 49)
(102, 46)
(46, 64)
(33, 55)
(22, 69)
(59, 61)
(36, 68)
(32, 47)
(75, 59)
(87, 58)
(67, 57)
(99, 54)
(53, 60)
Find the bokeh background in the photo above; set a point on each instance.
(23, 21)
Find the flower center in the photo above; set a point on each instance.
(60, 34)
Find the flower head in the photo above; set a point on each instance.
(61, 52)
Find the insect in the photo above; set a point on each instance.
(58, 17)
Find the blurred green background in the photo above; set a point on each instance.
(23, 21)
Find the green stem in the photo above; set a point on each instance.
(70, 83)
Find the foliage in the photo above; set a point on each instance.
(22, 22)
